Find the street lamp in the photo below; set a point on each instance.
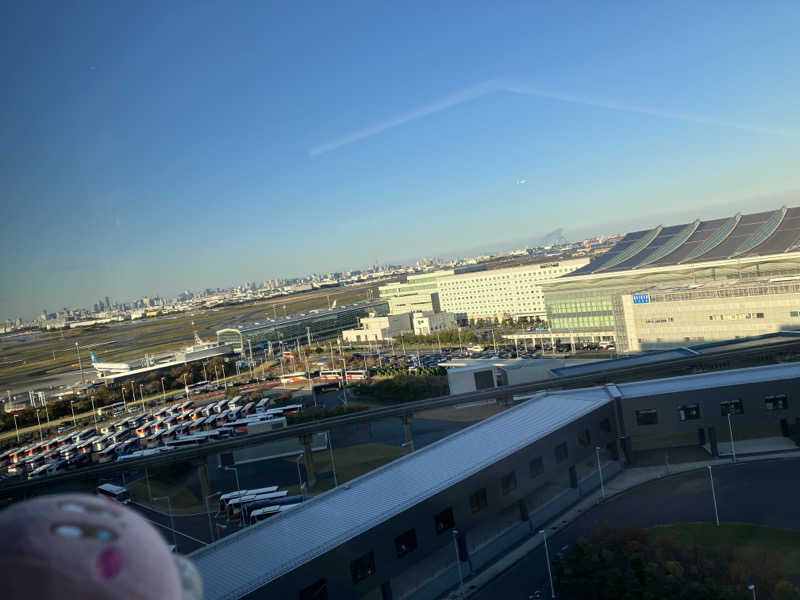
(713, 495)
(72, 408)
(94, 412)
(752, 588)
(163, 392)
(17, 428)
(41, 437)
(141, 395)
(299, 477)
(547, 560)
(80, 365)
(600, 471)
(458, 562)
(171, 518)
(186, 385)
(208, 511)
(730, 431)
(333, 464)
(124, 404)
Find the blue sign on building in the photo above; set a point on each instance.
(641, 298)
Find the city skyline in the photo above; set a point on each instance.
(160, 149)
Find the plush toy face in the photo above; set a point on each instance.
(83, 546)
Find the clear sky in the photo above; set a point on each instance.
(152, 147)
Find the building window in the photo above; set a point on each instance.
(444, 520)
(405, 542)
(794, 313)
(316, 591)
(647, 416)
(562, 452)
(483, 380)
(779, 402)
(759, 315)
(508, 483)
(731, 407)
(536, 466)
(605, 425)
(363, 567)
(689, 412)
(478, 501)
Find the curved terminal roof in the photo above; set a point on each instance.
(757, 234)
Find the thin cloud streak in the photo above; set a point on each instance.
(642, 110)
(455, 99)
(494, 86)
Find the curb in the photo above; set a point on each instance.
(586, 504)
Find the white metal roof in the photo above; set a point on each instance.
(712, 379)
(243, 562)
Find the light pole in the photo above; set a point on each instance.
(17, 428)
(458, 562)
(208, 512)
(41, 437)
(730, 431)
(171, 518)
(600, 471)
(713, 495)
(205, 377)
(164, 392)
(299, 477)
(238, 487)
(133, 392)
(80, 364)
(186, 385)
(124, 404)
(94, 412)
(72, 408)
(333, 464)
(141, 395)
(752, 588)
(547, 560)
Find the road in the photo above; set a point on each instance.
(757, 492)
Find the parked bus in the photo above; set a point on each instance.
(331, 374)
(200, 386)
(115, 492)
(107, 454)
(117, 407)
(235, 504)
(268, 511)
(296, 377)
(225, 498)
(356, 375)
(248, 507)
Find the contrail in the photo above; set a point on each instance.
(642, 110)
(455, 99)
(492, 86)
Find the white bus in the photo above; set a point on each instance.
(117, 407)
(120, 494)
(225, 498)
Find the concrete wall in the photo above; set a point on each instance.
(751, 394)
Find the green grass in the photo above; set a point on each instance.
(182, 499)
(351, 462)
(749, 542)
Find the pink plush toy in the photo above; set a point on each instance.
(80, 546)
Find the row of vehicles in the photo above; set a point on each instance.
(252, 506)
(176, 426)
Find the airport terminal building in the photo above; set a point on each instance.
(303, 328)
(697, 282)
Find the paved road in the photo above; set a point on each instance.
(753, 492)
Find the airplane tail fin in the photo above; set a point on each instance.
(334, 304)
(197, 339)
(92, 356)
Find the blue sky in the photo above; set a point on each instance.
(152, 147)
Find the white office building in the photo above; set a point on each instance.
(429, 322)
(379, 328)
(514, 292)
